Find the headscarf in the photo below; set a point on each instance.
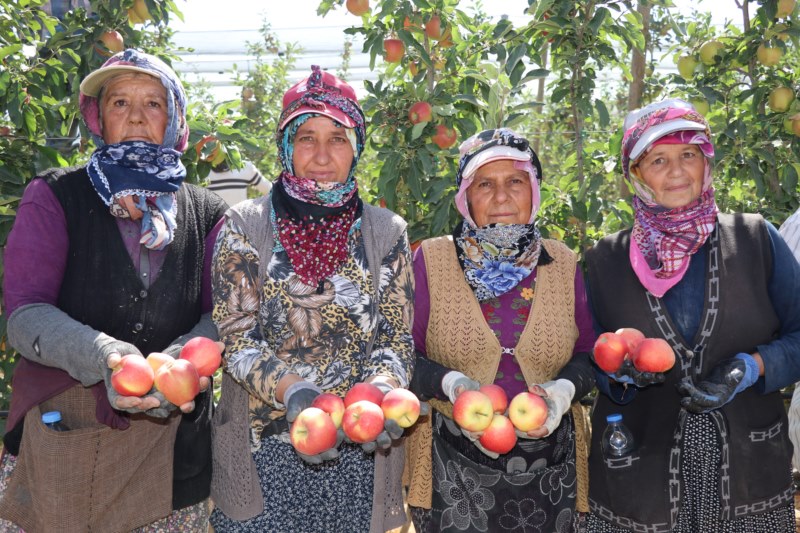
(495, 258)
(135, 178)
(314, 220)
(663, 240)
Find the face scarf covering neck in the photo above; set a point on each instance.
(496, 257)
(313, 220)
(663, 240)
(140, 179)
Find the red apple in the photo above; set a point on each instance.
(357, 7)
(112, 41)
(178, 381)
(527, 411)
(362, 421)
(500, 436)
(444, 137)
(420, 112)
(433, 28)
(394, 49)
(204, 354)
(609, 351)
(498, 395)
(331, 404)
(363, 391)
(313, 432)
(653, 355)
(632, 338)
(133, 376)
(156, 359)
(472, 410)
(402, 406)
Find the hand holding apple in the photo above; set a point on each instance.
(527, 411)
(558, 396)
(314, 436)
(401, 406)
(653, 355)
(204, 353)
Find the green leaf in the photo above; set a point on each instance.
(9, 50)
(598, 18)
(470, 99)
(416, 131)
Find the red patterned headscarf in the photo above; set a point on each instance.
(663, 240)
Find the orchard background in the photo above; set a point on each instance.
(547, 79)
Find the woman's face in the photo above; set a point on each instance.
(674, 172)
(133, 107)
(500, 193)
(322, 151)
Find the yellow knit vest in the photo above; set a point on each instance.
(459, 337)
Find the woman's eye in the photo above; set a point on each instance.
(338, 140)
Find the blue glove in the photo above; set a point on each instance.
(298, 396)
(628, 374)
(726, 380)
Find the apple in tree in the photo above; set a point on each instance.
(687, 66)
(500, 437)
(433, 28)
(420, 112)
(312, 432)
(632, 337)
(473, 411)
(357, 7)
(362, 421)
(701, 105)
(653, 355)
(710, 52)
(780, 98)
(140, 7)
(402, 406)
(204, 353)
(331, 404)
(497, 395)
(769, 56)
(444, 137)
(156, 359)
(363, 391)
(394, 49)
(447, 38)
(132, 376)
(609, 351)
(112, 41)
(796, 125)
(178, 381)
(527, 411)
(785, 8)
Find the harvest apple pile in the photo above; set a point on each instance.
(484, 410)
(361, 415)
(177, 379)
(647, 354)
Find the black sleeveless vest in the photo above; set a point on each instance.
(644, 491)
(102, 289)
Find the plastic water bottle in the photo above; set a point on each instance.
(52, 419)
(617, 439)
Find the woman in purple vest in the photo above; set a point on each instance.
(711, 449)
(104, 260)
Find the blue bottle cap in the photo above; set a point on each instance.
(51, 417)
(616, 417)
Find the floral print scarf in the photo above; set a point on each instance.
(151, 175)
(496, 257)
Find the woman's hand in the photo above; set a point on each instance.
(454, 383)
(558, 396)
(726, 380)
(628, 375)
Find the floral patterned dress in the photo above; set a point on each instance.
(278, 325)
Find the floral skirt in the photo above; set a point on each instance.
(300, 498)
(192, 519)
(531, 489)
(700, 507)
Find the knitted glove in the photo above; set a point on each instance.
(474, 437)
(726, 380)
(454, 383)
(628, 374)
(327, 455)
(108, 355)
(391, 430)
(558, 396)
(298, 396)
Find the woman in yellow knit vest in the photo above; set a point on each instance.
(496, 303)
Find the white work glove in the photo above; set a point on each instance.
(474, 437)
(558, 396)
(454, 383)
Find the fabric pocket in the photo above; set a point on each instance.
(91, 477)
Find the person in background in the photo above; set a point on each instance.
(790, 231)
(233, 185)
(497, 303)
(711, 446)
(104, 260)
(313, 292)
